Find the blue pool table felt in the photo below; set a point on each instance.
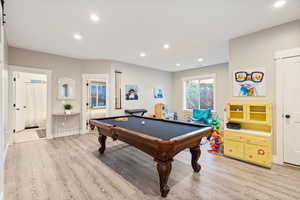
(156, 128)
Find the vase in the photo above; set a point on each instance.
(67, 112)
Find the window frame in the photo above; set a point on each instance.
(95, 83)
(200, 77)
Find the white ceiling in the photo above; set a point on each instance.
(193, 28)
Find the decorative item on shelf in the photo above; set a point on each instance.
(232, 125)
(68, 108)
(216, 140)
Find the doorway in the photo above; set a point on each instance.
(95, 98)
(30, 106)
(288, 109)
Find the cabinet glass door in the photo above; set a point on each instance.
(236, 112)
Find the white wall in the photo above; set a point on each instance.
(145, 78)
(221, 71)
(3, 104)
(257, 49)
(95, 66)
(60, 67)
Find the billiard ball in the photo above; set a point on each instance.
(143, 122)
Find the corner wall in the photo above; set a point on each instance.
(60, 67)
(257, 50)
(146, 78)
(222, 94)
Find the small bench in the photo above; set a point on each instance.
(136, 111)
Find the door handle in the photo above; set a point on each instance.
(287, 116)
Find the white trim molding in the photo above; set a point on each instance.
(289, 53)
(207, 76)
(88, 78)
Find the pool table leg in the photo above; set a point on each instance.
(196, 152)
(164, 169)
(102, 139)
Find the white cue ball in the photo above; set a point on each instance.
(143, 122)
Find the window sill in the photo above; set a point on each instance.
(191, 110)
(98, 108)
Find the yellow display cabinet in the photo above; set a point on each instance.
(253, 142)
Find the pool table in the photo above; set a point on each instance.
(161, 139)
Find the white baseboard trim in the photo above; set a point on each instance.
(83, 131)
(5, 153)
(66, 133)
(1, 196)
(277, 160)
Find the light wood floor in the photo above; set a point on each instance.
(26, 135)
(70, 168)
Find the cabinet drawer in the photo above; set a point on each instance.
(257, 154)
(258, 141)
(233, 136)
(233, 149)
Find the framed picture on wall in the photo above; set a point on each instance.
(249, 83)
(158, 93)
(131, 92)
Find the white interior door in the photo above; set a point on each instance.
(291, 109)
(20, 103)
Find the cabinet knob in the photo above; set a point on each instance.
(287, 116)
(250, 156)
(261, 152)
(230, 150)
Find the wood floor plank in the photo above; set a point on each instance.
(71, 168)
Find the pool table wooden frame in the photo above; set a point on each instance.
(162, 151)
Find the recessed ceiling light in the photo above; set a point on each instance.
(177, 64)
(142, 54)
(279, 3)
(94, 17)
(166, 46)
(200, 59)
(77, 36)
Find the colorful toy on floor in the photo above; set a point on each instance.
(216, 137)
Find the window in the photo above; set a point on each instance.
(199, 93)
(98, 95)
